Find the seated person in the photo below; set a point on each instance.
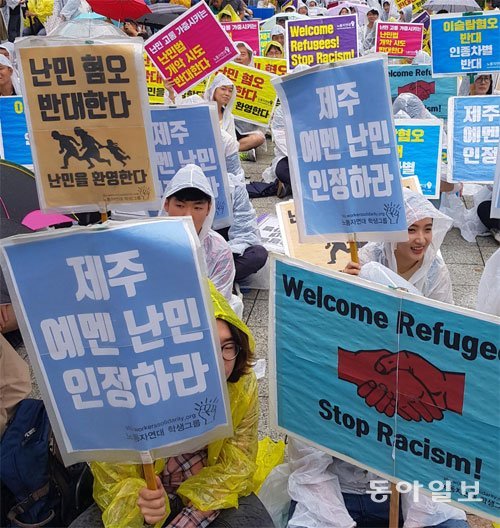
(223, 92)
(418, 261)
(213, 486)
(189, 194)
(243, 234)
(340, 494)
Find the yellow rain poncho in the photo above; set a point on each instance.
(231, 461)
(41, 8)
(229, 11)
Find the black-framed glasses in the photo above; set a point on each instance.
(230, 350)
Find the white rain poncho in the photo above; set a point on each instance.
(488, 295)
(227, 123)
(432, 279)
(217, 253)
(317, 481)
(248, 48)
(232, 156)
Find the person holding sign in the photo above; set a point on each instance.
(211, 487)
(418, 261)
(274, 50)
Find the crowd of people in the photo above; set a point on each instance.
(213, 486)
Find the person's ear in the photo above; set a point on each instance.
(166, 205)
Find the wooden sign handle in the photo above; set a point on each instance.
(394, 507)
(150, 476)
(353, 247)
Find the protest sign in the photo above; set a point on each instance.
(14, 139)
(197, 89)
(154, 80)
(495, 200)
(417, 6)
(465, 44)
(190, 48)
(329, 255)
(264, 39)
(342, 152)
(321, 40)
(244, 31)
(400, 4)
(256, 96)
(270, 233)
(425, 19)
(473, 132)
(396, 383)
(275, 66)
(118, 342)
(434, 93)
(191, 134)
(398, 39)
(419, 150)
(89, 124)
(412, 183)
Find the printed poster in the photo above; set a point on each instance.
(321, 40)
(190, 48)
(14, 137)
(399, 39)
(154, 80)
(118, 343)
(342, 151)
(89, 125)
(245, 31)
(390, 381)
(268, 64)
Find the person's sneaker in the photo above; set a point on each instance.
(284, 190)
(496, 234)
(249, 155)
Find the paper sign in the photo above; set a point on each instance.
(398, 39)
(14, 138)
(190, 48)
(275, 66)
(154, 80)
(245, 31)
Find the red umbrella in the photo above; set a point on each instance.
(120, 9)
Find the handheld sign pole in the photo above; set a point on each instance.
(394, 507)
(150, 476)
(353, 246)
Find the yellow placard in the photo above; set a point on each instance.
(403, 3)
(197, 89)
(331, 255)
(265, 38)
(275, 66)
(154, 81)
(87, 111)
(256, 96)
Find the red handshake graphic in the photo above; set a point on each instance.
(422, 390)
(422, 89)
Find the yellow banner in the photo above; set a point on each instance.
(275, 66)
(87, 114)
(403, 3)
(256, 96)
(154, 81)
(197, 89)
(417, 6)
(265, 38)
(331, 255)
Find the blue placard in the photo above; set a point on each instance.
(418, 80)
(338, 339)
(473, 132)
(14, 140)
(342, 148)
(190, 134)
(122, 338)
(465, 44)
(419, 149)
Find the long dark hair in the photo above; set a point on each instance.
(245, 358)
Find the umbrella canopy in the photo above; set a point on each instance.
(87, 28)
(90, 16)
(268, 24)
(361, 10)
(120, 9)
(161, 15)
(458, 6)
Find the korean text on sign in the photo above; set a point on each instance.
(88, 125)
(190, 48)
(474, 129)
(465, 44)
(344, 163)
(399, 40)
(122, 345)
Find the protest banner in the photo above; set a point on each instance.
(400, 4)
(244, 31)
(197, 89)
(270, 233)
(275, 66)
(264, 39)
(465, 44)
(255, 97)
(425, 19)
(119, 343)
(89, 125)
(191, 134)
(419, 150)
(434, 93)
(495, 200)
(412, 183)
(154, 80)
(190, 48)
(417, 6)
(473, 132)
(399, 39)
(14, 138)
(321, 40)
(335, 339)
(329, 255)
(342, 152)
